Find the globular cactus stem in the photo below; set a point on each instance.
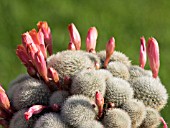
(142, 57)
(35, 109)
(74, 36)
(91, 40)
(110, 46)
(99, 102)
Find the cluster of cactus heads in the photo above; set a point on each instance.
(83, 89)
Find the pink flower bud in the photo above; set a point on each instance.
(74, 36)
(52, 73)
(4, 101)
(1, 89)
(164, 123)
(91, 39)
(153, 56)
(40, 65)
(43, 26)
(23, 56)
(142, 57)
(31, 50)
(35, 109)
(99, 102)
(26, 39)
(71, 46)
(110, 46)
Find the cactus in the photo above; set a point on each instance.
(50, 120)
(116, 118)
(19, 121)
(77, 109)
(91, 124)
(30, 92)
(116, 56)
(87, 82)
(152, 119)
(150, 91)
(118, 91)
(136, 111)
(118, 69)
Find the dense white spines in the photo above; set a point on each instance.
(91, 124)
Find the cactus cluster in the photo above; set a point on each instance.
(82, 89)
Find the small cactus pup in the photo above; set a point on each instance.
(50, 120)
(91, 124)
(19, 121)
(57, 99)
(150, 91)
(35, 109)
(91, 40)
(152, 119)
(136, 111)
(74, 36)
(119, 69)
(118, 91)
(116, 118)
(99, 102)
(77, 109)
(153, 56)
(87, 82)
(110, 47)
(142, 56)
(30, 92)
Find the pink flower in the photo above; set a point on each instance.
(71, 46)
(91, 39)
(142, 57)
(40, 65)
(52, 73)
(110, 46)
(99, 102)
(43, 26)
(153, 56)
(31, 50)
(74, 36)
(35, 109)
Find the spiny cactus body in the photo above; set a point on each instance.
(87, 82)
(77, 109)
(116, 118)
(30, 92)
(118, 91)
(136, 111)
(152, 119)
(91, 124)
(150, 91)
(50, 120)
(119, 69)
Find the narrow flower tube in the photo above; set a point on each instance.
(153, 56)
(31, 50)
(40, 65)
(110, 46)
(91, 39)
(35, 109)
(164, 123)
(74, 36)
(4, 101)
(71, 46)
(99, 102)
(52, 73)
(142, 57)
(43, 26)
(26, 39)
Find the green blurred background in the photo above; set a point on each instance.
(127, 21)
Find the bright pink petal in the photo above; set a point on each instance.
(31, 50)
(35, 109)
(142, 57)
(71, 46)
(153, 56)
(91, 39)
(74, 36)
(164, 123)
(4, 101)
(52, 73)
(26, 39)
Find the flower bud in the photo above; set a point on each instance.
(142, 57)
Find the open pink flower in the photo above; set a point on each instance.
(142, 57)
(40, 65)
(99, 102)
(74, 36)
(153, 56)
(91, 39)
(43, 26)
(110, 46)
(35, 109)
